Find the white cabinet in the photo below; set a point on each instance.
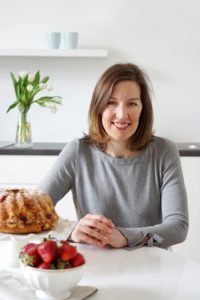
(24, 169)
(28, 171)
(191, 171)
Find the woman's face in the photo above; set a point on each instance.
(120, 118)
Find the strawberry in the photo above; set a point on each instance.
(64, 242)
(29, 255)
(44, 265)
(26, 247)
(78, 260)
(48, 250)
(67, 252)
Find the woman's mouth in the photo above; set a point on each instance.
(120, 125)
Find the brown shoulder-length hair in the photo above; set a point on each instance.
(101, 95)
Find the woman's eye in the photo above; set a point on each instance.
(111, 103)
(132, 104)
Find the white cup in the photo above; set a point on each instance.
(70, 40)
(53, 39)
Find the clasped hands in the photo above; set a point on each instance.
(98, 230)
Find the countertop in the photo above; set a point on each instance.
(145, 274)
(148, 273)
(36, 149)
(7, 148)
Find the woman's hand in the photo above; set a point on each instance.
(98, 230)
(116, 239)
(93, 229)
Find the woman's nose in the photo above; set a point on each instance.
(121, 111)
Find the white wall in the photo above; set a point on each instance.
(163, 36)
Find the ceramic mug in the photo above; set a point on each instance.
(70, 40)
(53, 40)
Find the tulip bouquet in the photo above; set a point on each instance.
(26, 87)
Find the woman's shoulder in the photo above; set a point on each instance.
(75, 145)
(161, 141)
(163, 145)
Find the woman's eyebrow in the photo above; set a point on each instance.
(136, 98)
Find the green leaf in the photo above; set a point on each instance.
(41, 104)
(23, 99)
(18, 92)
(41, 101)
(15, 84)
(37, 79)
(12, 105)
(45, 79)
(44, 99)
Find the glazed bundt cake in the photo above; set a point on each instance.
(26, 211)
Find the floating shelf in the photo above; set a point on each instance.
(59, 53)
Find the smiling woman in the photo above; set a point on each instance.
(127, 184)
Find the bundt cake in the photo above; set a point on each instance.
(26, 211)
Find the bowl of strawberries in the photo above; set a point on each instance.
(53, 268)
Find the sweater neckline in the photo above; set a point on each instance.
(120, 160)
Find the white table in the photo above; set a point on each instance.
(146, 273)
(142, 274)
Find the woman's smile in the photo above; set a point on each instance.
(121, 125)
(120, 118)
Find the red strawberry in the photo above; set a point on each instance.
(64, 242)
(48, 250)
(29, 255)
(26, 247)
(67, 252)
(44, 265)
(78, 260)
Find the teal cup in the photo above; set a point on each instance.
(53, 40)
(70, 40)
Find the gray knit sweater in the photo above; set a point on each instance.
(142, 194)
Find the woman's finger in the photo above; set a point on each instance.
(92, 230)
(87, 235)
(100, 220)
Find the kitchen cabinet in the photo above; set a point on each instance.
(191, 172)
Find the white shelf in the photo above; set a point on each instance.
(62, 53)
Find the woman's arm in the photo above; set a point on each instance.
(59, 179)
(174, 209)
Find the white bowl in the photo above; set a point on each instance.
(52, 284)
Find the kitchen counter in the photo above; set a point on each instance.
(145, 274)
(36, 149)
(185, 149)
(148, 273)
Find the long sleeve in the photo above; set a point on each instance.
(174, 211)
(60, 178)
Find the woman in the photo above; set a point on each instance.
(127, 184)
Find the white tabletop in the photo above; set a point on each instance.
(146, 273)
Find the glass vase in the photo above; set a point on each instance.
(23, 137)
